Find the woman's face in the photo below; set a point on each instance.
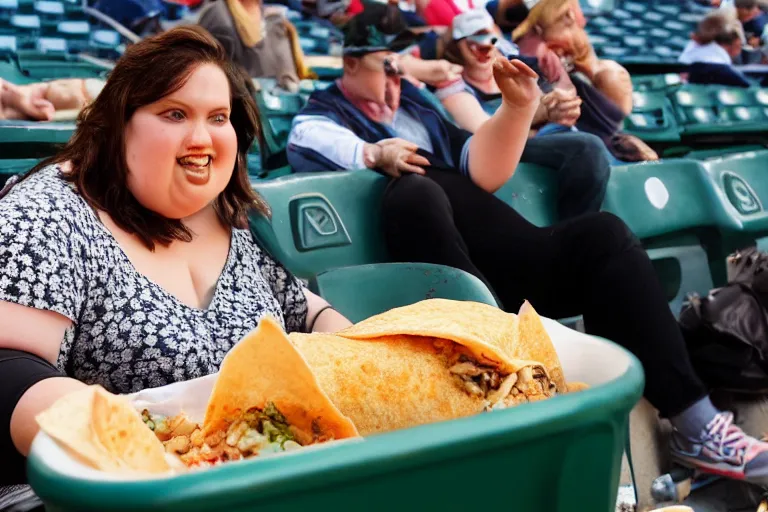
(181, 150)
(563, 28)
(475, 55)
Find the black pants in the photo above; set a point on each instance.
(592, 265)
(580, 162)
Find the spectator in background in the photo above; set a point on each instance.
(258, 39)
(472, 99)
(753, 19)
(716, 41)
(713, 48)
(140, 16)
(560, 25)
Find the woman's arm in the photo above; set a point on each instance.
(497, 145)
(34, 401)
(466, 111)
(39, 333)
(321, 317)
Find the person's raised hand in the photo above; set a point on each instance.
(395, 157)
(517, 83)
(563, 107)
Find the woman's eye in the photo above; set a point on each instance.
(220, 118)
(175, 115)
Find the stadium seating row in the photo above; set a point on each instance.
(644, 32)
(666, 111)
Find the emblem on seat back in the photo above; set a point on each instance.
(316, 224)
(740, 194)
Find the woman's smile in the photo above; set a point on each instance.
(197, 168)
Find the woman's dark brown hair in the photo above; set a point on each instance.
(448, 48)
(148, 71)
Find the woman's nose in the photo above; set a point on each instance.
(199, 136)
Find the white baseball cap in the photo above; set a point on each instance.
(469, 23)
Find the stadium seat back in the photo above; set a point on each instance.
(32, 139)
(652, 118)
(742, 185)
(663, 198)
(532, 191)
(322, 221)
(415, 282)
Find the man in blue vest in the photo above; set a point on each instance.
(439, 208)
(371, 118)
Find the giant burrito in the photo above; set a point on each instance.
(433, 361)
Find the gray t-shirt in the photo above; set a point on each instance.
(270, 58)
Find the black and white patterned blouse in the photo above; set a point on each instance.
(128, 333)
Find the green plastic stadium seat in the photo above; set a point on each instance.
(414, 282)
(37, 66)
(30, 139)
(621, 14)
(277, 109)
(600, 21)
(633, 25)
(676, 27)
(696, 106)
(670, 10)
(614, 52)
(677, 42)
(532, 191)
(742, 183)
(716, 153)
(322, 221)
(635, 41)
(664, 203)
(682, 270)
(612, 31)
(659, 198)
(13, 167)
(634, 7)
(665, 82)
(655, 18)
(652, 118)
(720, 111)
(49, 9)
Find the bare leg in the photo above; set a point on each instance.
(25, 102)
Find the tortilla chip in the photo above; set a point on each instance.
(125, 436)
(488, 332)
(265, 367)
(68, 421)
(574, 387)
(536, 344)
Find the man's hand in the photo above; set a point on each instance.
(442, 71)
(394, 157)
(563, 107)
(517, 82)
(431, 72)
